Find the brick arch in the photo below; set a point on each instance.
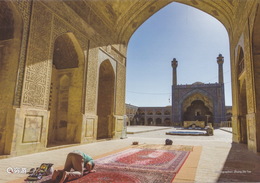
(197, 93)
(186, 100)
(240, 61)
(67, 52)
(105, 104)
(197, 96)
(11, 29)
(66, 91)
(242, 106)
(130, 22)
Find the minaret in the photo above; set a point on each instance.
(220, 60)
(174, 84)
(174, 72)
(220, 115)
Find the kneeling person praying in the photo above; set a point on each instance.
(79, 162)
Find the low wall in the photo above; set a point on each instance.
(187, 124)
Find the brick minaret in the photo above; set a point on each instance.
(174, 71)
(220, 60)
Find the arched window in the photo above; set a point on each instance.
(241, 62)
(158, 113)
(150, 113)
(167, 113)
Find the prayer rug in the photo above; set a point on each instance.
(137, 165)
(147, 159)
(114, 175)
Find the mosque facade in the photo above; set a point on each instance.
(195, 104)
(198, 101)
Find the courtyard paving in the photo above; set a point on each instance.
(220, 160)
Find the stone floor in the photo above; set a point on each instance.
(220, 161)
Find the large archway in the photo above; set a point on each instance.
(65, 102)
(105, 105)
(189, 60)
(130, 22)
(10, 45)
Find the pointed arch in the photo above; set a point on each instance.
(11, 29)
(241, 62)
(106, 97)
(131, 22)
(66, 91)
(206, 109)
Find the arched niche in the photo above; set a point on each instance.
(242, 102)
(197, 96)
(242, 98)
(106, 97)
(158, 121)
(11, 29)
(167, 121)
(241, 62)
(197, 111)
(65, 102)
(150, 121)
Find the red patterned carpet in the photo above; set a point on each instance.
(137, 165)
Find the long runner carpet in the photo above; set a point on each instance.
(137, 165)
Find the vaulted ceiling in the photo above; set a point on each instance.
(119, 19)
(6, 22)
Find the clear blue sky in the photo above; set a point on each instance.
(178, 31)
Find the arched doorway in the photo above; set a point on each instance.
(105, 106)
(65, 102)
(167, 121)
(11, 28)
(158, 122)
(150, 121)
(141, 121)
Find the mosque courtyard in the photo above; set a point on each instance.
(217, 160)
